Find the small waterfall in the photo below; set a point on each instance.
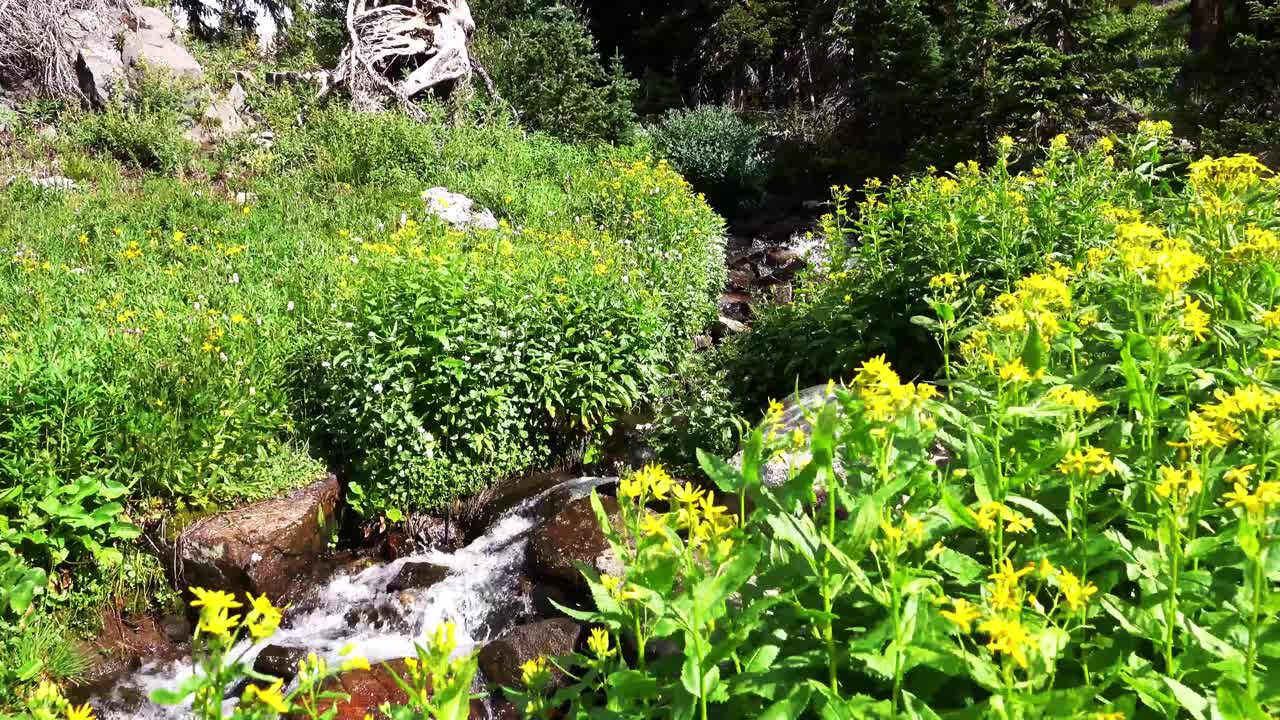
(479, 595)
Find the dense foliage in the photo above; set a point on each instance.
(883, 252)
(169, 344)
(1098, 539)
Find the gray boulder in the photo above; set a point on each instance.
(99, 69)
(259, 548)
(152, 44)
(808, 401)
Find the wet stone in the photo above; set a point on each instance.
(279, 661)
(379, 615)
(417, 576)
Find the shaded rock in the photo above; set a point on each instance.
(783, 293)
(417, 576)
(421, 533)
(279, 661)
(545, 596)
(367, 689)
(573, 535)
(780, 257)
(501, 659)
(736, 306)
(741, 280)
(259, 548)
(482, 509)
(702, 342)
(729, 326)
(99, 69)
(458, 210)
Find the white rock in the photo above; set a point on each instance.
(458, 210)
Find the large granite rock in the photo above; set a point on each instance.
(259, 548)
(99, 69)
(807, 402)
(501, 659)
(573, 535)
(152, 44)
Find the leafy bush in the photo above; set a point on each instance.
(144, 127)
(717, 151)
(454, 359)
(545, 63)
(990, 225)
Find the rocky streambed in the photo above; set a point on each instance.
(496, 575)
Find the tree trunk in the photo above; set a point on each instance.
(1208, 21)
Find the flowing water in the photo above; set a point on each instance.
(479, 595)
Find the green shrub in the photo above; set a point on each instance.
(144, 127)
(717, 151)
(454, 359)
(989, 225)
(545, 63)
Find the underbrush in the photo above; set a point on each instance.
(990, 225)
(1079, 519)
(174, 344)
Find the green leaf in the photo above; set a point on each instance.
(710, 593)
(1034, 351)
(789, 707)
(963, 568)
(1235, 704)
(1189, 700)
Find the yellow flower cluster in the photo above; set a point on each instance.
(1147, 252)
(1178, 485)
(48, 703)
(650, 482)
(991, 513)
(885, 397)
(1088, 460)
(1220, 423)
(216, 619)
(1260, 245)
(1226, 175)
(898, 538)
(1255, 503)
(1082, 401)
(1037, 299)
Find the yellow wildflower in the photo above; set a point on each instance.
(83, 712)
(599, 643)
(962, 614)
(270, 696)
(1007, 637)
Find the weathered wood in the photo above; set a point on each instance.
(402, 50)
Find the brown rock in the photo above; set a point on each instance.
(574, 535)
(367, 689)
(259, 548)
(736, 306)
(501, 659)
(417, 576)
(741, 280)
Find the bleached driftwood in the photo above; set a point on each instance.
(403, 49)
